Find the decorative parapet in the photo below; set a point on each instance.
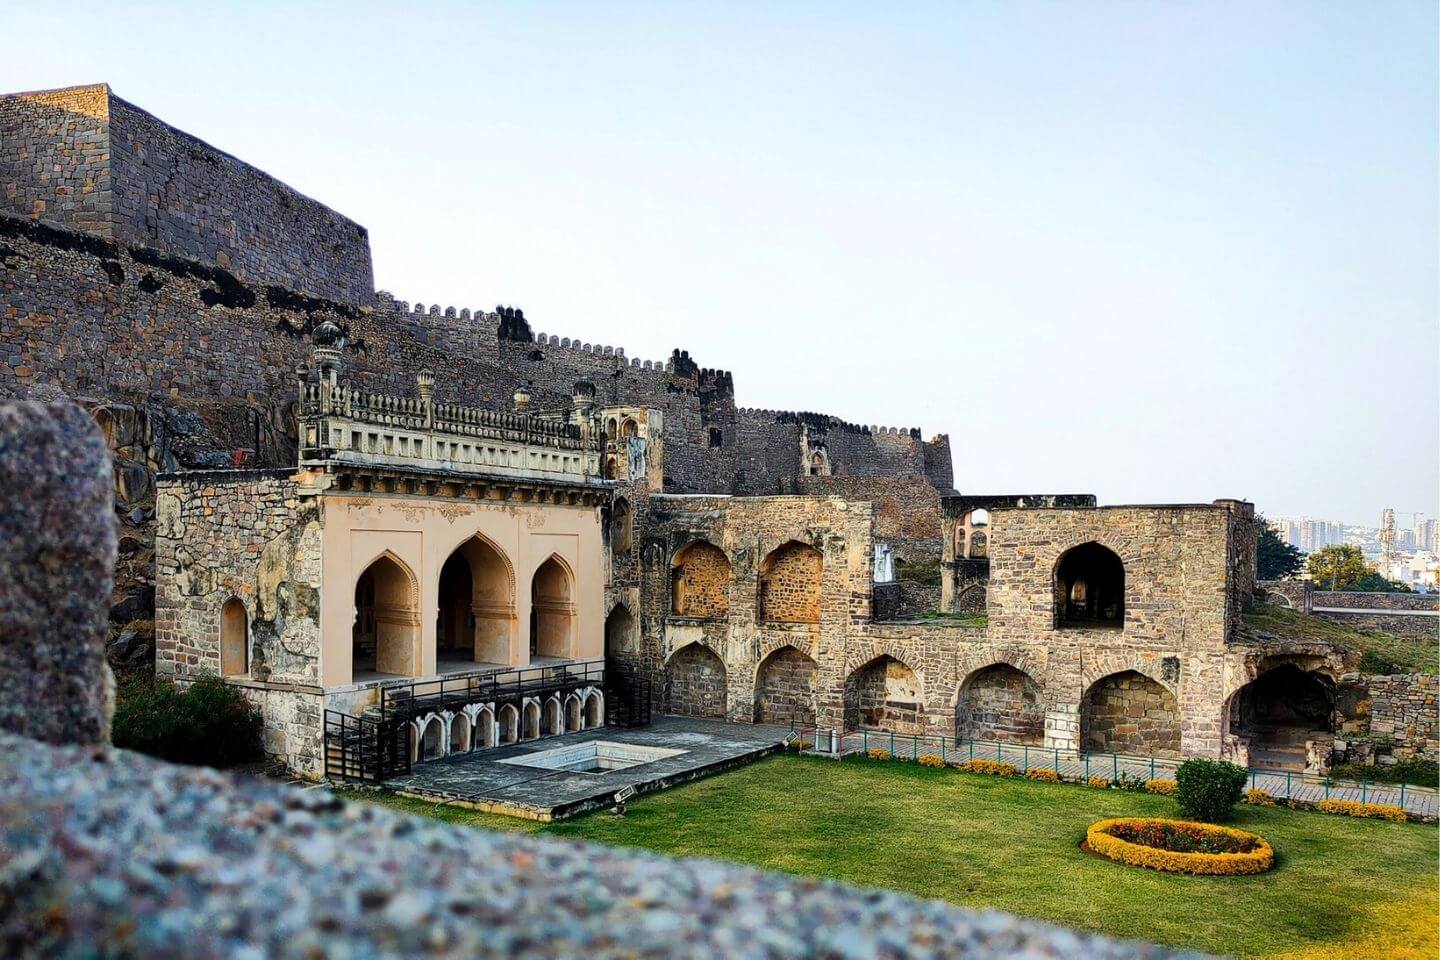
(343, 425)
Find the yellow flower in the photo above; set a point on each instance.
(1099, 839)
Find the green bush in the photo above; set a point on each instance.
(1375, 663)
(1209, 789)
(209, 723)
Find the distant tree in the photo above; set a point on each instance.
(1373, 582)
(1274, 558)
(1338, 567)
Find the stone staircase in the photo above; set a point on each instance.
(1280, 748)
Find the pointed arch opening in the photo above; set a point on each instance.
(785, 688)
(460, 734)
(234, 639)
(1090, 588)
(551, 723)
(1130, 713)
(700, 581)
(1000, 702)
(483, 733)
(884, 693)
(594, 709)
(1283, 709)
(530, 721)
(507, 723)
(695, 683)
(790, 578)
(476, 616)
(552, 610)
(622, 527)
(619, 632)
(385, 638)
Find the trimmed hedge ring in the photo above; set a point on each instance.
(1098, 839)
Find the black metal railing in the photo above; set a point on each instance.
(629, 698)
(420, 697)
(369, 749)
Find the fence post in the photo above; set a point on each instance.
(1402, 796)
(1025, 768)
(914, 747)
(1152, 767)
(1364, 791)
(1327, 786)
(1289, 789)
(1087, 768)
(1252, 778)
(942, 751)
(892, 743)
(972, 748)
(1056, 751)
(865, 740)
(1114, 767)
(997, 751)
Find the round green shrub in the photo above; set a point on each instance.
(209, 723)
(1209, 789)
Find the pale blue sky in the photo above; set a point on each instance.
(1161, 252)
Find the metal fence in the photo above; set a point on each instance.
(1115, 767)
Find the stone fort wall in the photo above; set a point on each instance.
(85, 158)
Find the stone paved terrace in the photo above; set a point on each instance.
(1421, 801)
(489, 779)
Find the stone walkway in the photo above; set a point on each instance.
(1279, 785)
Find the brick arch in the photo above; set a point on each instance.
(1130, 712)
(1105, 664)
(894, 649)
(391, 555)
(695, 681)
(790, 583)
(885, 692)
(784, 686)
(974, 661)
(1001, 700)
(768, 647)
(700, 577)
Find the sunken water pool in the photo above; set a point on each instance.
(595, 756)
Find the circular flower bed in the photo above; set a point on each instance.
(1180, 846)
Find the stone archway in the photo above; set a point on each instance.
(1281, 712)
(475, 621)
(1090, 588)
(1128, 712)
(619, 632)
(700, 581)
(789, 584)
(461, 737)
(885, 694)
(695, 683)
(551, 721)
(386, 631)
(552, 610)
(785, 688)
(594, 709)
(1000, 702)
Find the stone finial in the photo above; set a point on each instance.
(328, 357)
(425, 384)
(522, 399)
(56, 573)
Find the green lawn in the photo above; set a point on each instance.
(1341, 887)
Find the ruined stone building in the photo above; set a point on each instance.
(343, 501)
